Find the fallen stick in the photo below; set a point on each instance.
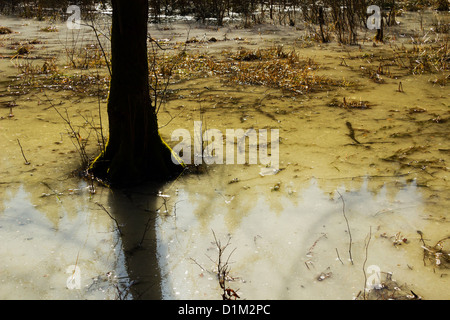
(23, 155)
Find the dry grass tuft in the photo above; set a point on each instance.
(5, 30)
(272, 67)
(49, 29)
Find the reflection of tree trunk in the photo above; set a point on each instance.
(135, 152)
(135, 213)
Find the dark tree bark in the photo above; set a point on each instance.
(321, 23)
(379, 36)
(135, 152)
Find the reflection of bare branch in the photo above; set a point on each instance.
(324, 235)
(365, 260)
(195, 261)
(114, 219)
(223, 270)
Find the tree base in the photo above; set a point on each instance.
(124, 170)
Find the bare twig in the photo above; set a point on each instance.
(54, 191)
(324, 235)
(171, 118)
(365, 260)
(198, 264)
(223, 270)
(348, 228)
(100, 137)
(147, 227)
(109, 214)
(26, 161)
(92, 26)
(337, 252)
(80, 146)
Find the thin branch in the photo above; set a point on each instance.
(337, 252)
(365, 260)
(54, 191)
(149, 37)
(348, 228)
(198, 264)
(114, 219)
(100, 116)
(223, 270)
(100, 44)
(26, 161)
(147, 227)
(171, 118)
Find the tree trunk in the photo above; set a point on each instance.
(135, 152)
(379, 36)
(321, 23)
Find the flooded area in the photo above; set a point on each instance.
(360, 183)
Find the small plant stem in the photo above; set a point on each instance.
(23, 155)
(348, 228)
(364, 264)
